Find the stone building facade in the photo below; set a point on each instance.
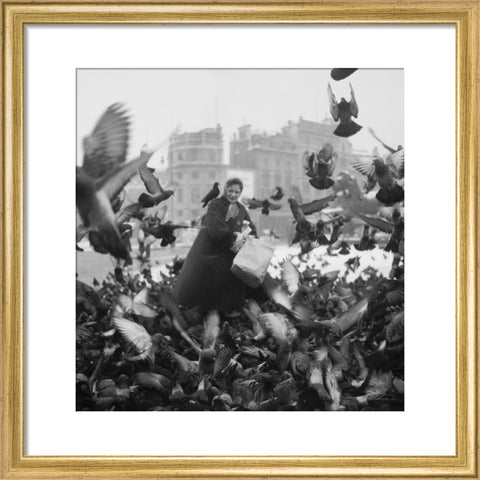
(277, 159)
(195, 162)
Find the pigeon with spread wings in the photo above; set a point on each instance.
(265, 205)
(104, 174)
(344, 111)
(156, 194)
(320, 167)
(395, 229)
(396, 159)
(377, 170)
(162, 231)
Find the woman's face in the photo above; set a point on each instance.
(232, 193)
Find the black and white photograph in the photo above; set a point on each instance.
(240, 239)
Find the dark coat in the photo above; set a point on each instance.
(205, 278)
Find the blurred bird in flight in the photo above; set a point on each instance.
(344, 111)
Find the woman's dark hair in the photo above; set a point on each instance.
(234, 181)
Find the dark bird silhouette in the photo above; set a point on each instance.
(396, 159)
(342, 73)
(320, 233)
(366, 241)
(302, 224)
(121, 220)
(164, 232)
(344, 111)
(336, 228)
(316, 205)
(395, 229)
(320, 168)
(277, 194)
(344, 248)
(211, 195)
(265, 205)
(378, 171)
(104, 174)
(305, 233)
(157, 193)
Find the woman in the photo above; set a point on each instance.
(205, 278)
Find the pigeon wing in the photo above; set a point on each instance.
(333, 103)
(81, 232)
(253, 202)
(396, 161)
(347, 319)
(134, 334)
(317, 205)
(150, 180)
(365, 166)
(127, 213)
(106, 147)
(308, 164)
(290, 277)
(114, 184)
(140, 305)
(378, 223)
(212, 329)
(275, 325)
(332, 165)
(117, 202)
(153, 381)
(96, 242)
(353, 103)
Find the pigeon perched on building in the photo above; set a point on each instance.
(344, 111)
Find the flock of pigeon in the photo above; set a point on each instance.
(319, 342)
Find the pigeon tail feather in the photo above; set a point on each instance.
(390, 197)
(347, 129)
(146, 201)
(321, 183)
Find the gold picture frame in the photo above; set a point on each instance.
(15, 464)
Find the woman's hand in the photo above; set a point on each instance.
(238, 243)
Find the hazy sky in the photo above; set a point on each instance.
(158, 100)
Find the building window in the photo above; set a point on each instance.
(179, 175)
(194, 213)
(179, 213)
(180, 157)
(179, 195)
(195, 195)
(194, 174)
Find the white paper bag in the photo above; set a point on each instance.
(251, 262)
